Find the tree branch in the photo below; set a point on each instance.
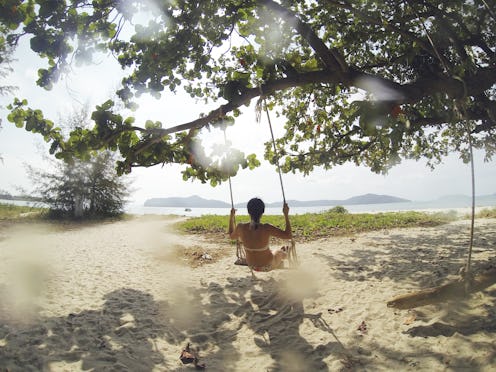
(331, 57)
(265, 89)
(379, 22)
(406, 93)
(478, 83)
(469, 115)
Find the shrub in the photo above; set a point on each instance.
(338, 210)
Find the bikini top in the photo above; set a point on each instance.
(255, 225)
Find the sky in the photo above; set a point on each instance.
(93, 84)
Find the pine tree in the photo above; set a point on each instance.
(82, 189)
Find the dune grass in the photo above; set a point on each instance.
(11, 212)
(485, 213)
(17, 213)
(337, 221)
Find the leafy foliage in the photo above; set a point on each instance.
(338, 210)
(367, 81)
(6, 52)
(5, 69)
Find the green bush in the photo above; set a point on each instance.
(338, 209)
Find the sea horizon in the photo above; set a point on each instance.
(442, 204)
(460, 206)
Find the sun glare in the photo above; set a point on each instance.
(379, 91)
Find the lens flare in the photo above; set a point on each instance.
(380, 91)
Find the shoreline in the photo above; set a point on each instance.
(424, 207)
(196, 212)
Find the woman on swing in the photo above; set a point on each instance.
(255, 237)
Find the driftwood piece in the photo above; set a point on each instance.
(453, 290)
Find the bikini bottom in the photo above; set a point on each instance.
(264, 268)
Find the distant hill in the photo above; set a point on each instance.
(374, 199)
(198, 202)
(7, 196)
(361, 199)
(465, 198)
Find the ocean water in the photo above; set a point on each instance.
(424, 206)
(459, 206)
(22, 203)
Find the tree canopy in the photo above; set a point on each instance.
(362, 81)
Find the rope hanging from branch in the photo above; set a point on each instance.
(470, 283)
(262, 104)
(240, 252)
(459, 108)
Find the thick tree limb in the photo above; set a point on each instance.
(331, 57)
(406, 93)
(438, 120)
(365, 16)
(246, 97)
(450, 291)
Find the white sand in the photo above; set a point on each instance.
(122, 296)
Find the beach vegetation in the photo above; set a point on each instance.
(486, 213)
(11, 212)
(86, 187)
(368, 83)
(337, 210)
(334, 222)
(6, 52)
(82, 189)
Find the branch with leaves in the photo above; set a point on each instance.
(369, 82)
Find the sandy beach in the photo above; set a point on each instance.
(130, 295)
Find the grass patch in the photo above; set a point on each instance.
(486, 213)
(311, 226)
(17, 213)
(11, 212)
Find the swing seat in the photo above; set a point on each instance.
(241, 262)
(290, 250)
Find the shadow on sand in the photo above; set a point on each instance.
(427, 260)
(132, 331)
(128, 332)
(423, 259)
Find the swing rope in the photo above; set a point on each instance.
(459, 107)
(472, 220)
(275, 149)
(292, 256)
(240, 252)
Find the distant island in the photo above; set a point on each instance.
(186, 202)
(199, 202)
(8, 196)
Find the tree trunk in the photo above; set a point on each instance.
(78, 206)
(450, 291)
